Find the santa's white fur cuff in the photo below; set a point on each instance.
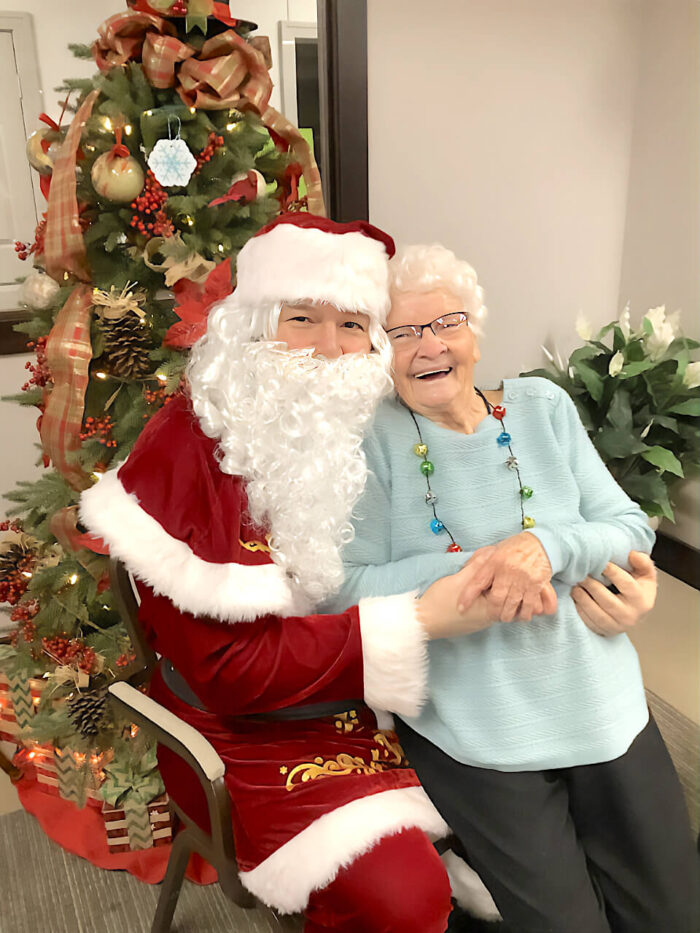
(395, 654)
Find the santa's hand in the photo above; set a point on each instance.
(441, 618)
(607, 613)
(514, 571)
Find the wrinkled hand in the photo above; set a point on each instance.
(607, 613)
(514, 576)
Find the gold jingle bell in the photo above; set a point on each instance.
(420, 450)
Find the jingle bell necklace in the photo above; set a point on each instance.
(427, 468)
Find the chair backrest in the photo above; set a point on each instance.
(127, 603)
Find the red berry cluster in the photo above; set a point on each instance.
(125, 659)
(24, 613)
(71, 652)
(149, 217)
(40, 372)
(215, 142)
(100, 428)
(8, 525)
(24, 250)
(14, 585)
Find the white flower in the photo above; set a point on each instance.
(691, 376)
(624, 321)
(616, 364)
(583, 327)
(664, 329)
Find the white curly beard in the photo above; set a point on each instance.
(292, 425)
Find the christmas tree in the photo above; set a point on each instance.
(157, 172)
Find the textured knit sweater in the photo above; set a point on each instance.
(517, 696)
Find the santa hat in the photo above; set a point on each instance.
(302, 257)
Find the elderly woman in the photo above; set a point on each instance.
(533, 738)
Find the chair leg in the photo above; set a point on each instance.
(172, 883)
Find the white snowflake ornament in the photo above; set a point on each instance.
(172, 162)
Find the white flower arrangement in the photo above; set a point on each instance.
(638, 395)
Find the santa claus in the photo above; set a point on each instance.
(231, 512)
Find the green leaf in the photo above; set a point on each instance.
(613, 444)
(664, 460)
(590, 378)
(7, 653)
(690, 407)
(635, 368)
(620, 411)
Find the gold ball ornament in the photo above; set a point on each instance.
(39, 160)
(117, 179)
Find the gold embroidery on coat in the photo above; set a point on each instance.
(254, 545)
(346, 722)
(348, 764)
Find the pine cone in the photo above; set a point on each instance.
(87, 710)
(14, 559)
(127, 345)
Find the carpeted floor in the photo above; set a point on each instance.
(41, 886)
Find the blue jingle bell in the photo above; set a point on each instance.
(436, 526)
(503, 439)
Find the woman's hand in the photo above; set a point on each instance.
(515, 572)
(608, 613)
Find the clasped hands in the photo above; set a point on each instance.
(511, 582)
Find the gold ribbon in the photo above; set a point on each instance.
(227, 73)
(64, 248)
(68, 353)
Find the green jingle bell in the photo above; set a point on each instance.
(526, 492)
(420, 450)
(427, 468)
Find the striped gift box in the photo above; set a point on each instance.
(9, 727)
(143, 828)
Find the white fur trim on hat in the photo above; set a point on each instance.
(229, 591)
(395, 654)
(290, 264)
(312, 858)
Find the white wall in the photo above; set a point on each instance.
(17, 430)
(55, 25)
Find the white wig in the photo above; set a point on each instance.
(425, 268)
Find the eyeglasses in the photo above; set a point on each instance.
(445, 327)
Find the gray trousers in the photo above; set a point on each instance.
(603, 848)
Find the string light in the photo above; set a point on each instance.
(128, 128)
(221, 249)
(161, 377)
(36, 700)
(100, 375)
(73, 579)
(134, 731)
(107, 123)
(231, 126)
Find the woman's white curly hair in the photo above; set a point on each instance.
(426, 268)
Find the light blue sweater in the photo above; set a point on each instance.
(521, 696)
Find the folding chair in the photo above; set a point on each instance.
(218, 846)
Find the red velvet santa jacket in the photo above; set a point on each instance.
(308, 796)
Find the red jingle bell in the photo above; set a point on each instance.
(453, 548)
(499, 412)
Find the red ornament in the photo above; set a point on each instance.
(499, 412)
(453, 548)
